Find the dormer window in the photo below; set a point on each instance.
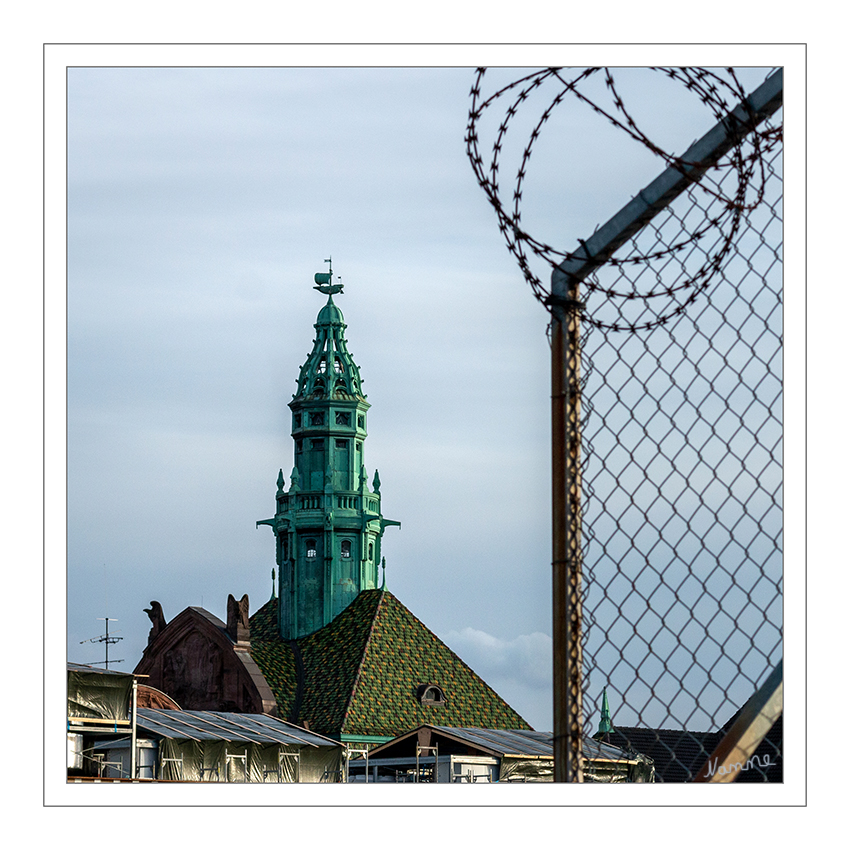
(430, 694)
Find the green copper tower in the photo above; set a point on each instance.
(328, 524)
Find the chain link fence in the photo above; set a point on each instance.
(678, 431)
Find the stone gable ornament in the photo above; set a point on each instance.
(157, 618)
(238, 625)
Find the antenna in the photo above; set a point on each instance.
(106, 639)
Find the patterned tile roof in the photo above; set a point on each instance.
(361, 673)
(275, 658)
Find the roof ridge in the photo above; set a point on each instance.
(353, 690)
(295, 711)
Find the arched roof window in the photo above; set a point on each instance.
(430, 694)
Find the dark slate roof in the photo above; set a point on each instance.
(359, 674)
(678, 755)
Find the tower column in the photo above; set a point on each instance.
(330, 519)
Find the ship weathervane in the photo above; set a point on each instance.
(324, 280)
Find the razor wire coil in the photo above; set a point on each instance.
(745, 161)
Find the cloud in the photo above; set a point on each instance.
(518, 669)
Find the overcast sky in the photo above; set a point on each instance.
(201, 201)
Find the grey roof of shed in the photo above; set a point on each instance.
(90, 668)
(503, 742)
(227, 726)
(523, 743)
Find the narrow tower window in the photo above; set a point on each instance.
(311, 549)
(346, 548)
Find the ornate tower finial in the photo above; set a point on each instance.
(324, 281)
(384, 568)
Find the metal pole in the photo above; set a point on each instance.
(133, 730)
(566, 528)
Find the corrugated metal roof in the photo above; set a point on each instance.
(600, 751)
(227, 726)
(90, 668)
(503, 741)
(525, 742)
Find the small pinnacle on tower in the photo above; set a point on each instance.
(605, 725)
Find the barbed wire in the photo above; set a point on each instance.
(745, 161)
